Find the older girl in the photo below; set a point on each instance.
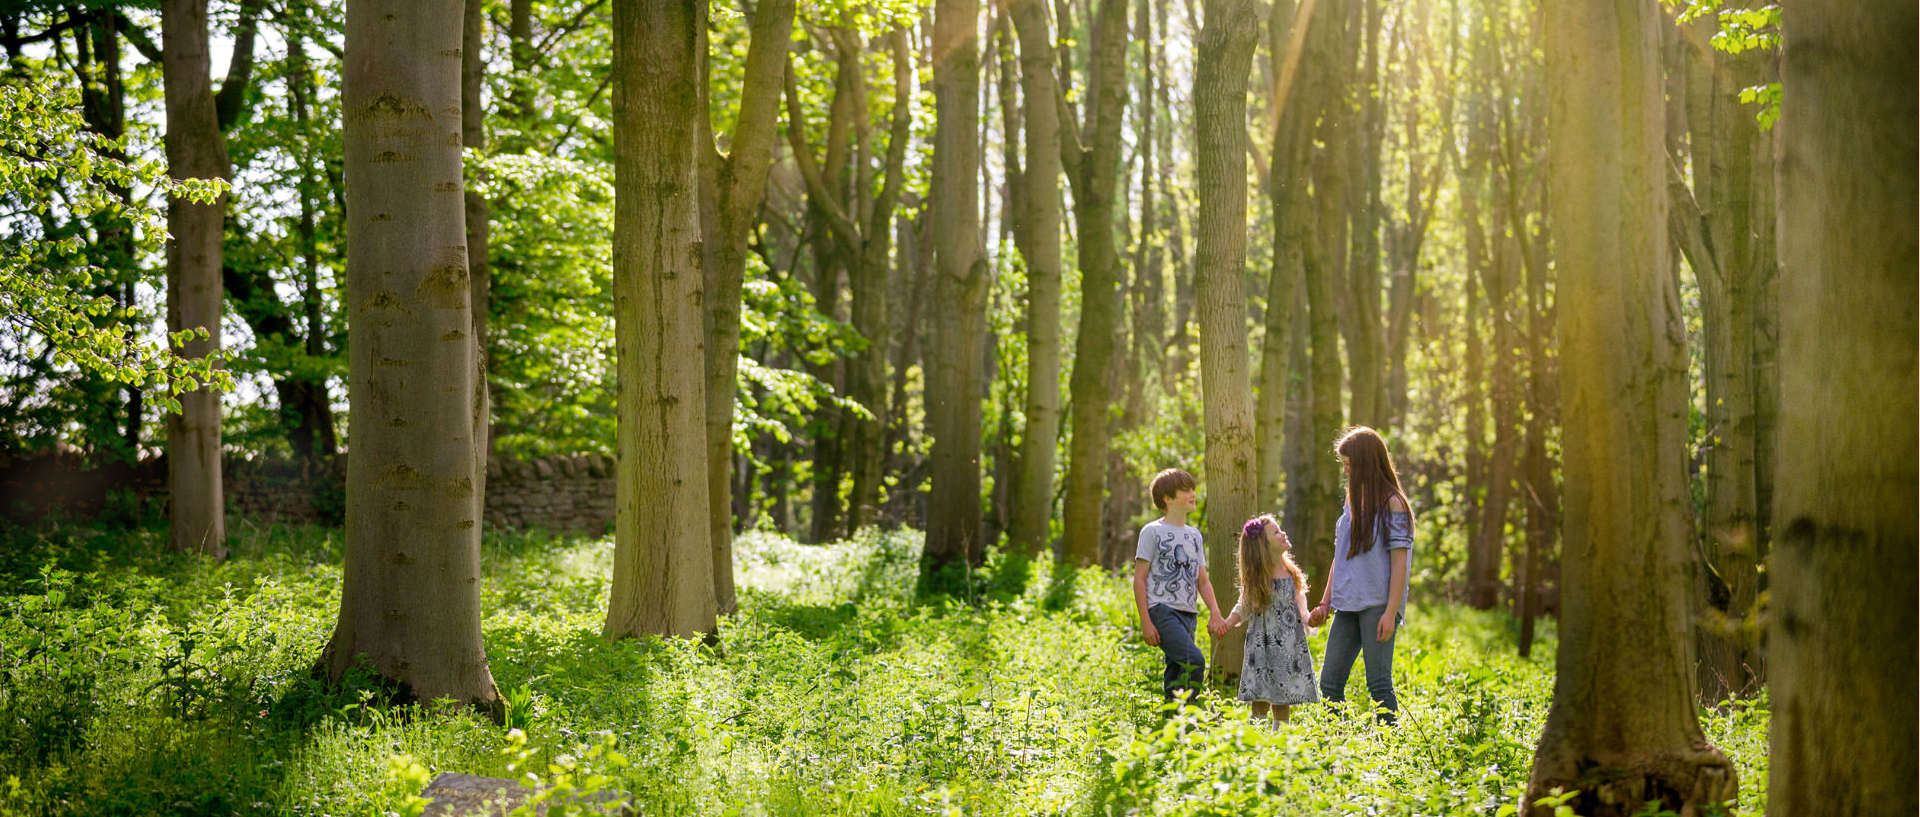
(1367, 582)
(1277, 671)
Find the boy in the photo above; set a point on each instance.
(1169, 570)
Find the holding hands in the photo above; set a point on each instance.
(1318, 616)
(1216, 625)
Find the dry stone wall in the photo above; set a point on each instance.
(559, 493)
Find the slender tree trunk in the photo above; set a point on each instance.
(315, 437)
(1292, 225)
(1715, 226)
(520, 37)
(410, 591)
(736, 186)
(868, 371)
(1323, 272)
(473, 117)
(1542, 491)
(195, 150)
(1843, 617)
(1038, 234)
(1366, 343)
(960, 287)
(1622, 728)
(663, 561)
(1095, 175)
(1503, 459)
(1223, 64)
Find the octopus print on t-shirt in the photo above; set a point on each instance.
(1174, 557)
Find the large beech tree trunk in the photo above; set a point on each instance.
(1224, 61)
(1095, 174)
(1622, 728)
(1842, 627)
(663, 562)
(410, 596)
(960, 292)
(195, 150)
(1038, 235)
(734, 186)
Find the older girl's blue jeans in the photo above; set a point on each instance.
(1353, 635)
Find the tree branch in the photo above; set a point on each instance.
(837, 220)
(233, 90)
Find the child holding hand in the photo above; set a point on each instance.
(1277, 670)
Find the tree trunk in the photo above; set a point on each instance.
(1287, 193)
(1038, 234)
(1542, 491)
(315, 437)
(1095, 175)
(735, 185)
(1715, 226)
(960, 287)
(1223, 63)
(868, 370)
(1321, 491)
(1366, 344)
(1503, 459)
(663, 561)
(1842, 625)
(195, 150)
(1622, 728)
(410, 590)
(473, 117)
(520, 49)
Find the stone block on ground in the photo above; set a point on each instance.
(465, 795)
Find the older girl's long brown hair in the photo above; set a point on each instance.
(1371, 482)
(1256, 569)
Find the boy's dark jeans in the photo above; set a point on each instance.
(1186, 664)
(1351, 635)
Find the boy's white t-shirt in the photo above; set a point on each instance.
(1174, 556)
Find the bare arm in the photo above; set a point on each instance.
(1397, 579)
(1206, 594)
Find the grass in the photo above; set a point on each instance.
(135, 682)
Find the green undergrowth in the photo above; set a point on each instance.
(135, 682)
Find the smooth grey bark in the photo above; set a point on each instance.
(1038, 236)
(1714, 224)
(1224, 63)
(1092, 164)
(1842, 619)
(663, 561)
(1622, 728)
(1287, 193)
(410, 590)
(954, 522)
(473, 134)
(196, 149)
(734, 185)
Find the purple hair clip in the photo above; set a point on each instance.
(1254, 527)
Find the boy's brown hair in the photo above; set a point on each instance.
(1170, 482)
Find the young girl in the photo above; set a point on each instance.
(1367, 581)
(1277, 671)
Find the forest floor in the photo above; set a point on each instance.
(135, 682)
